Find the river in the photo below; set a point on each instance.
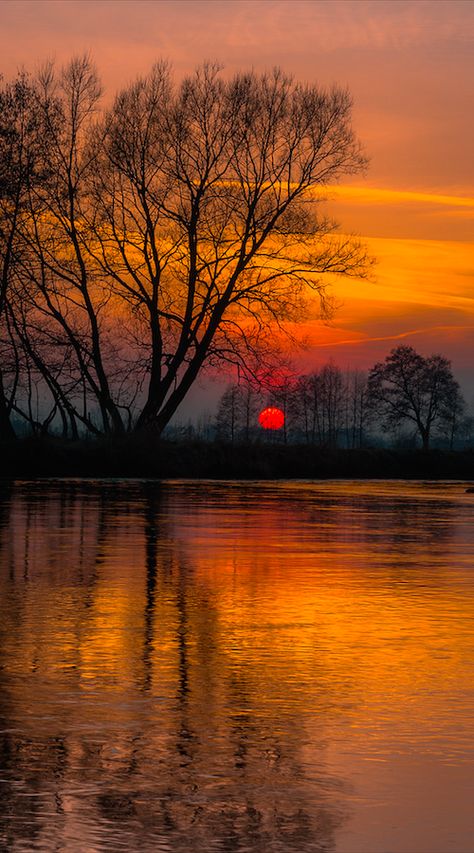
(255, 667)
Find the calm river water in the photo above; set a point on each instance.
(196, 667)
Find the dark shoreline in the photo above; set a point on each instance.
(152, 458)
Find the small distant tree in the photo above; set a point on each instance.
(332, 398)
(358, 409)
(249, 406)
(228, 414)
(306, 391)
(407, 388)
(237, 412)
(454, 421)
(282, 394)
(322, 402)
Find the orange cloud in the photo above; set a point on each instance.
(422, 293)
(375, 195)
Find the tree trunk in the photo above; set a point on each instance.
(425, 437)
(7, 433)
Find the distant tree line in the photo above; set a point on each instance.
(405, 398)
(177, 229)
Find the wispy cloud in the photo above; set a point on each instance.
(374, 195)
(366, 339)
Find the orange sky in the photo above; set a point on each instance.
(409, 67)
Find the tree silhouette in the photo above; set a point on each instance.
(179, 229)
(21, 167)
(407, 388)
(203, 215)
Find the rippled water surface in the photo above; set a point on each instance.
(251, 667)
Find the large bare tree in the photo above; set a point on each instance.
(181, 228)
(206, 202)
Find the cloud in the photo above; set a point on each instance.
(410, 333)
(408, 64)
(423, 295)
(375, 195)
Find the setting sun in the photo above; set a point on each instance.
(271, 418)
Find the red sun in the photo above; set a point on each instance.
(271, 418)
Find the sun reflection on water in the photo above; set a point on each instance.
(236, 666)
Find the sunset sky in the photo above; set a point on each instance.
(409, 66)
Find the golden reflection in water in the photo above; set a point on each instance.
(196, 667)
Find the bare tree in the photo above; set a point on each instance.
(206, 217)
(359, 412)
(181, 229)
(330, 406)
(306, 396)
(407, 388)
(68, 303)
(249, 407)
(453, 415)
(237, 411)
(228, 414)
(321, 404)
(21, 166)
(282, 395)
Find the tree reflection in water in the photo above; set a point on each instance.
(224, 666)
(133, 714)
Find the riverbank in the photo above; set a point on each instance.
(132, 457)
